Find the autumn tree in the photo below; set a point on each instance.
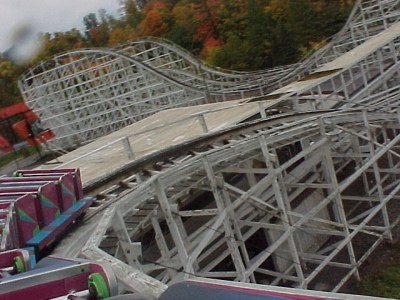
(154, 20)
(119, 35)
(183, 26)
(207, 30)
(91, 23)
(232, 18)
(97, 29)
(247, 34)
(59, 42)
(131, 16)
(235, 34)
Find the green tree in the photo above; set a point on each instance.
(230, 56)
(132, 17)
(236, 34)
(330, 17)
(9, 74)
(59, 42)
(284, 49)
(97, 30)
(183, 26)
(232, 18)
(247, 34)
(258, 37)
(90, 21)
(301, 21)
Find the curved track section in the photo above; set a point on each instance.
(287, 200)
(358, 78)
(85, 94)
(180, 64)
(264, 203)
(367, 19)
(306, 193)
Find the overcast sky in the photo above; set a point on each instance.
(47, 15)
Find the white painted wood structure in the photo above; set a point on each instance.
(303, 194)
(85, 94)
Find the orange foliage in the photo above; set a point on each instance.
(121, 34)
(183, 13)
(95, 35)
(207, 18)
(209, 45)
(154, 5)
(153, 23)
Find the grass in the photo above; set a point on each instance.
(383, 278)
(384, 283)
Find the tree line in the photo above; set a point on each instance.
(233, 34)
